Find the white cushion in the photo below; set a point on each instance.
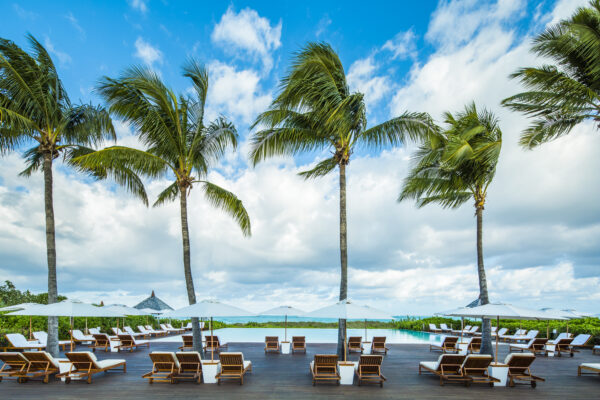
(430, 364)
(18, 340)
(109, 363)
(591, 365)
(597, 346)
(247, 364)
(52, 360)
(520, 346)
(140, 342)
(580, 340)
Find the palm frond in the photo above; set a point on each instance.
(321, 169)
(167, 195)
(229, 203)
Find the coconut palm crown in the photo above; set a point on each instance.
(316, 110)
(455, 165)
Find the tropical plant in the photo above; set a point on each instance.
(35, 110)
(315, 110)
(455, 165)
(179, 146)
(563, 95)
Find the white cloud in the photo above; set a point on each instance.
(323, 25)
(362, 77)
(24, 14)
(147, 53)
(139, 5)
(402, 45)
(63, 57)
(248, 32)
(75, 23)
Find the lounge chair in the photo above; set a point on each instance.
(562, 346)
(213, 343)
(17, 341)
(519, 369)
(447, 367)
(40, 364)
(562, 335)
(133, 333)
(146, 332)
(298, 343)
(233, 366)
(474, 345)
(84, 364)
(475, 369)
(580, 341)
(524, 338)
(188, 343)
(42, 337)
(117, 331)
(593, 367)
(190, 366)
(188, 327)
(169, 331)
(177, 330)
(130, 342)
(101, 341)
(94, 331)
(459, 331)
(535, 346)
(472, 331)
(378, 345)
(157, 332)
(595, 349)
(13, 363)
(492, 332)
(164, 367)
(500, 333)
(79, 337)
(448, 344)
(434, 329)
(272, 343)
(325, 368)
(355, 344)
(369, 370)
(445, 328)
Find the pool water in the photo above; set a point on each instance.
(313, 335)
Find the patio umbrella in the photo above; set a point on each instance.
(567, 314)
(125, 311)
(283, 311)
(152, 312)
(68, 308)
(208, 309)
(22, 306)
(347, 309)
(504, 311)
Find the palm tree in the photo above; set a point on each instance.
(454, 165)
(563, 95)
(315, 110)
(35, 110)
(179, 146)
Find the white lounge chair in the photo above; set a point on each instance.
(117, 331)
(79, 337)
(158, 332)
(594, 369)
(434, 329)
(94, 331)
(535, 345)
(562, 335)
(134, 333)
(169, 330)
(445, 345)
(447, 367)
(595, 349)
(465, 329)
(472, 331)
(445, 328)
(84, 364)
(17, 341)
(42, 337)
(524, 338)
(131, 342)
(500, 333)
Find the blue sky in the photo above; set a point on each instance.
(542, 226)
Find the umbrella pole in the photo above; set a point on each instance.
(497, 338)
(462, 327)
(71, 333)
(30, 330)
(345, 334)
(366, 338)
(86, 328)
(548, 330)
(212, 342)
(285, 328)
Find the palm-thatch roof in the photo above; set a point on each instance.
(154, 303)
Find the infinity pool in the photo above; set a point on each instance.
(313, 335)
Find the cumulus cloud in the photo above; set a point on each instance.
(362, 78)
(250, 33)
(147, 53)
(402, 45)
(75, 23)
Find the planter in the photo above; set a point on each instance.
(210, 369)
(499, 371)
(347, 372)
(285, 347)
(366, 347)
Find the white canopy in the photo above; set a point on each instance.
(152, 311)
(208, 309)
(568, 314)
(346, 309)
(504, 311)
(284, 311)
(22, 306)
(121, 309)
(68, 308)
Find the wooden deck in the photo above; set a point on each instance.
(277, 376)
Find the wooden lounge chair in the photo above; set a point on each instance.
(434, 329)
(524, 338)
(41, 364)
(492, 332)
(79, 337)
(164, 367)
(177, 330)
(298, 343)
(445, 328)
(594, 369)
(369, 370)
(190, 366)
(94, 331)
(169, 329)
(158, 332)
(475, 369)
(42, 338)
(13, 363)
(84, 364)
(355, 344)
(472, 331)
(101, 341)
(325, 368)
(17, 341)
(272, 343)
(233, 366)
(579, 342)
(378, 345)
(500, 333)
(447, 367)
(595, 349)
(131, 343)
(449, 344)
(133, 333)
(562, 346)
(474, 345)
(188, 343)
(536, 345)
(459, 331)
(213, 343)
(519, 369)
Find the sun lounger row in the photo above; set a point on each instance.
(325, 368)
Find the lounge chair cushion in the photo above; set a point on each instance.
(109, 363)
(433, 365)
(170, 354)
(591, 365)
(19, 340)
(52, 360)
(190, 352)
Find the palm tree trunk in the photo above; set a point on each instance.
(486, 328)
(52, 344)
(187, 268)
(343, 259)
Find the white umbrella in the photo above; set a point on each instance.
(125, 311)
(565, 314)
(208, 309)
(22, 306)
(152, 311)
(347, 309)
(284, 311)
(68, 308)
(504, 311)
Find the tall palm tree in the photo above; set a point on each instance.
(455, 165)
(315, 110)
(179, 146)
(35, 111)
(563, 95)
